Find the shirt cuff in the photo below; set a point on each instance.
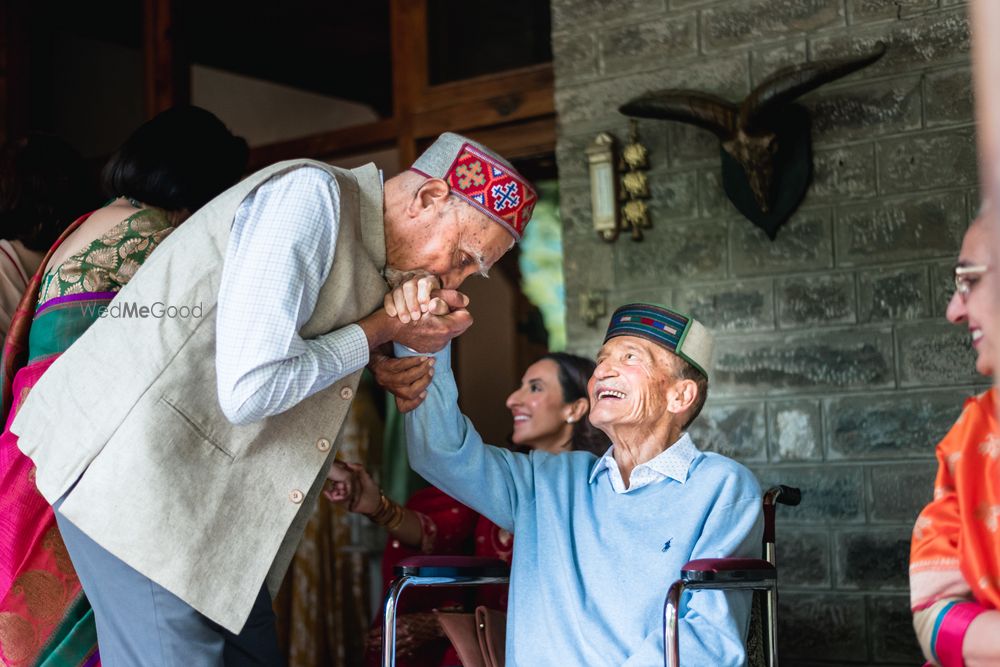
(350, 345)
(442, 358)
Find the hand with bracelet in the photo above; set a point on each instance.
(350, 484)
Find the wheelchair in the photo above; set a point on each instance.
(759, 575)
(735, 574)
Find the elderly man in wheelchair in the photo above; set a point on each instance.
(599, 540)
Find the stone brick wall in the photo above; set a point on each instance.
(835, 369)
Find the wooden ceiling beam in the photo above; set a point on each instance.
(341, 142)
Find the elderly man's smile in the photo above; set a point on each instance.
(610, 393)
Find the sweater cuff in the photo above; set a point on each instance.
(950, 633)
(442, 358)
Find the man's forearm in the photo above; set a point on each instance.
(277, 385)
(379, 329)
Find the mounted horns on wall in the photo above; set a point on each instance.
(765, 142)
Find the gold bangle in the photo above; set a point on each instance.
(379, 510)
(397, 517)
(386, 513)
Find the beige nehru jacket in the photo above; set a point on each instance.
(203, 507)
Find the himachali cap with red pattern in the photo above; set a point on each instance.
(482, 178)
(684, 336)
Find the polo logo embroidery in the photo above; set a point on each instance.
(493, 188)
(666, 545)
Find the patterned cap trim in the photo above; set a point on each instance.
(658, 325)
(493, 188)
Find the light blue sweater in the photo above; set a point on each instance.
(590, 568)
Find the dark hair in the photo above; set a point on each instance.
(179, 160)
(574, 374)
(686, 371)
(44, 186)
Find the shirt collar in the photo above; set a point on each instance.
(674, 462)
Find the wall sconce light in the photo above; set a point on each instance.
(601, 159)
(606, 191)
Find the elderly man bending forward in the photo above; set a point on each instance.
(600, 540)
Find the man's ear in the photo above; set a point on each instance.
(433, 192)
(682, 396)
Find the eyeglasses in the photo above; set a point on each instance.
(966, 278)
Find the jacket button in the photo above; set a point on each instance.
(347, 393)
(296, 496)
(323, 445)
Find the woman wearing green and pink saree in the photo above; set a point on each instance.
(45, 618)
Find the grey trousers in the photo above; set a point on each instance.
(140, 623)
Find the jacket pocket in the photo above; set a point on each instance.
(198, 429)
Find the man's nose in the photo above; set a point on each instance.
(453, 279)
(603, 369)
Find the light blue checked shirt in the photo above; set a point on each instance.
(280, 253)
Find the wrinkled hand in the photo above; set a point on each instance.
(433, 332)
(414, 298)
(341, 487)
(407, 378)
(446, 319)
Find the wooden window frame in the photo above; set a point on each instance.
(513, 111)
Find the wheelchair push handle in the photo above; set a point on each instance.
(786, 495)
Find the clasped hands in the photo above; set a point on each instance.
(349, 484)
(423, 317)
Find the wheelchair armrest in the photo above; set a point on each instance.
(727, 570)
(451, 566)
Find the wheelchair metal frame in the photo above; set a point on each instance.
(706, 574)
(733, 574)
(433, 571)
